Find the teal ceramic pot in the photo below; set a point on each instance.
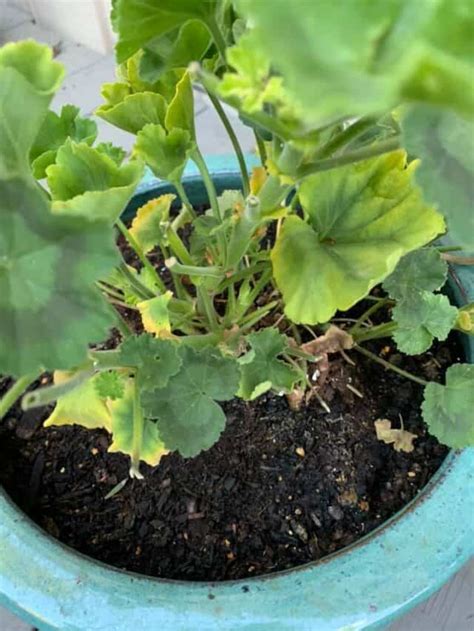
(364, 586)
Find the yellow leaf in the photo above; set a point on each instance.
(81, 406)
(155, 315)
(147, 226)
(152, 448)
(400, 438)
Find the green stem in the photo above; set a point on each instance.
(262, 151)
(346, 136)
(234, 140)
(193, 270)
(208, 307)
(141, 255)
(178, 247)
(137, 285)
(8, 399)
(252, 318)
(370, 311)
(350, 158)
(184, 199)
(375, 332)
(198, 159)
(45, 396)
(217, 36)
(389, 365)
(450, 248)
(137, 437)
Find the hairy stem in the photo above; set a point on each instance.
(15, 392)
(389, 365)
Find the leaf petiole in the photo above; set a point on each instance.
(8, 399)
(389, 365)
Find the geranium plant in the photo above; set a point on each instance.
(343, 98)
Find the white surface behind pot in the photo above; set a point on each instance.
(82, 21)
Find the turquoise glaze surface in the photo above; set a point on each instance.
(364, 586)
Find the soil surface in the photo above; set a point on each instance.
(279, 489)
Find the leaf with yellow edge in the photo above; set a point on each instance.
(147, 226)
(359, 221)
(82, 406)
(155, 315)
(151, 448)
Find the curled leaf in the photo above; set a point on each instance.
(149, 224)
(87, 183)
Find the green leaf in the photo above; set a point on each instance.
(149, 224)
(28, 80)
(421, 270)
(155, 315)
(88, 183)
(175, 49)
(82, 406)
(117, 154)
(188, 417)
(361, 219)
(54, 132)
(421, 318)
(180, 111)
(49, 308)
(261, 369)
(360, 56)
(445, 144)
(165, 153)
(251, 82)
(137, 22)
(109, 385)
(151, 448)
(448, 410)
(156, 360)
(128, 111)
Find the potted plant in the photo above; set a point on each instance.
(302, 297)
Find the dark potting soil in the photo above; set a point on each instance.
(279, 489)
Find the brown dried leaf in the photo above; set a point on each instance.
(400, 438)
